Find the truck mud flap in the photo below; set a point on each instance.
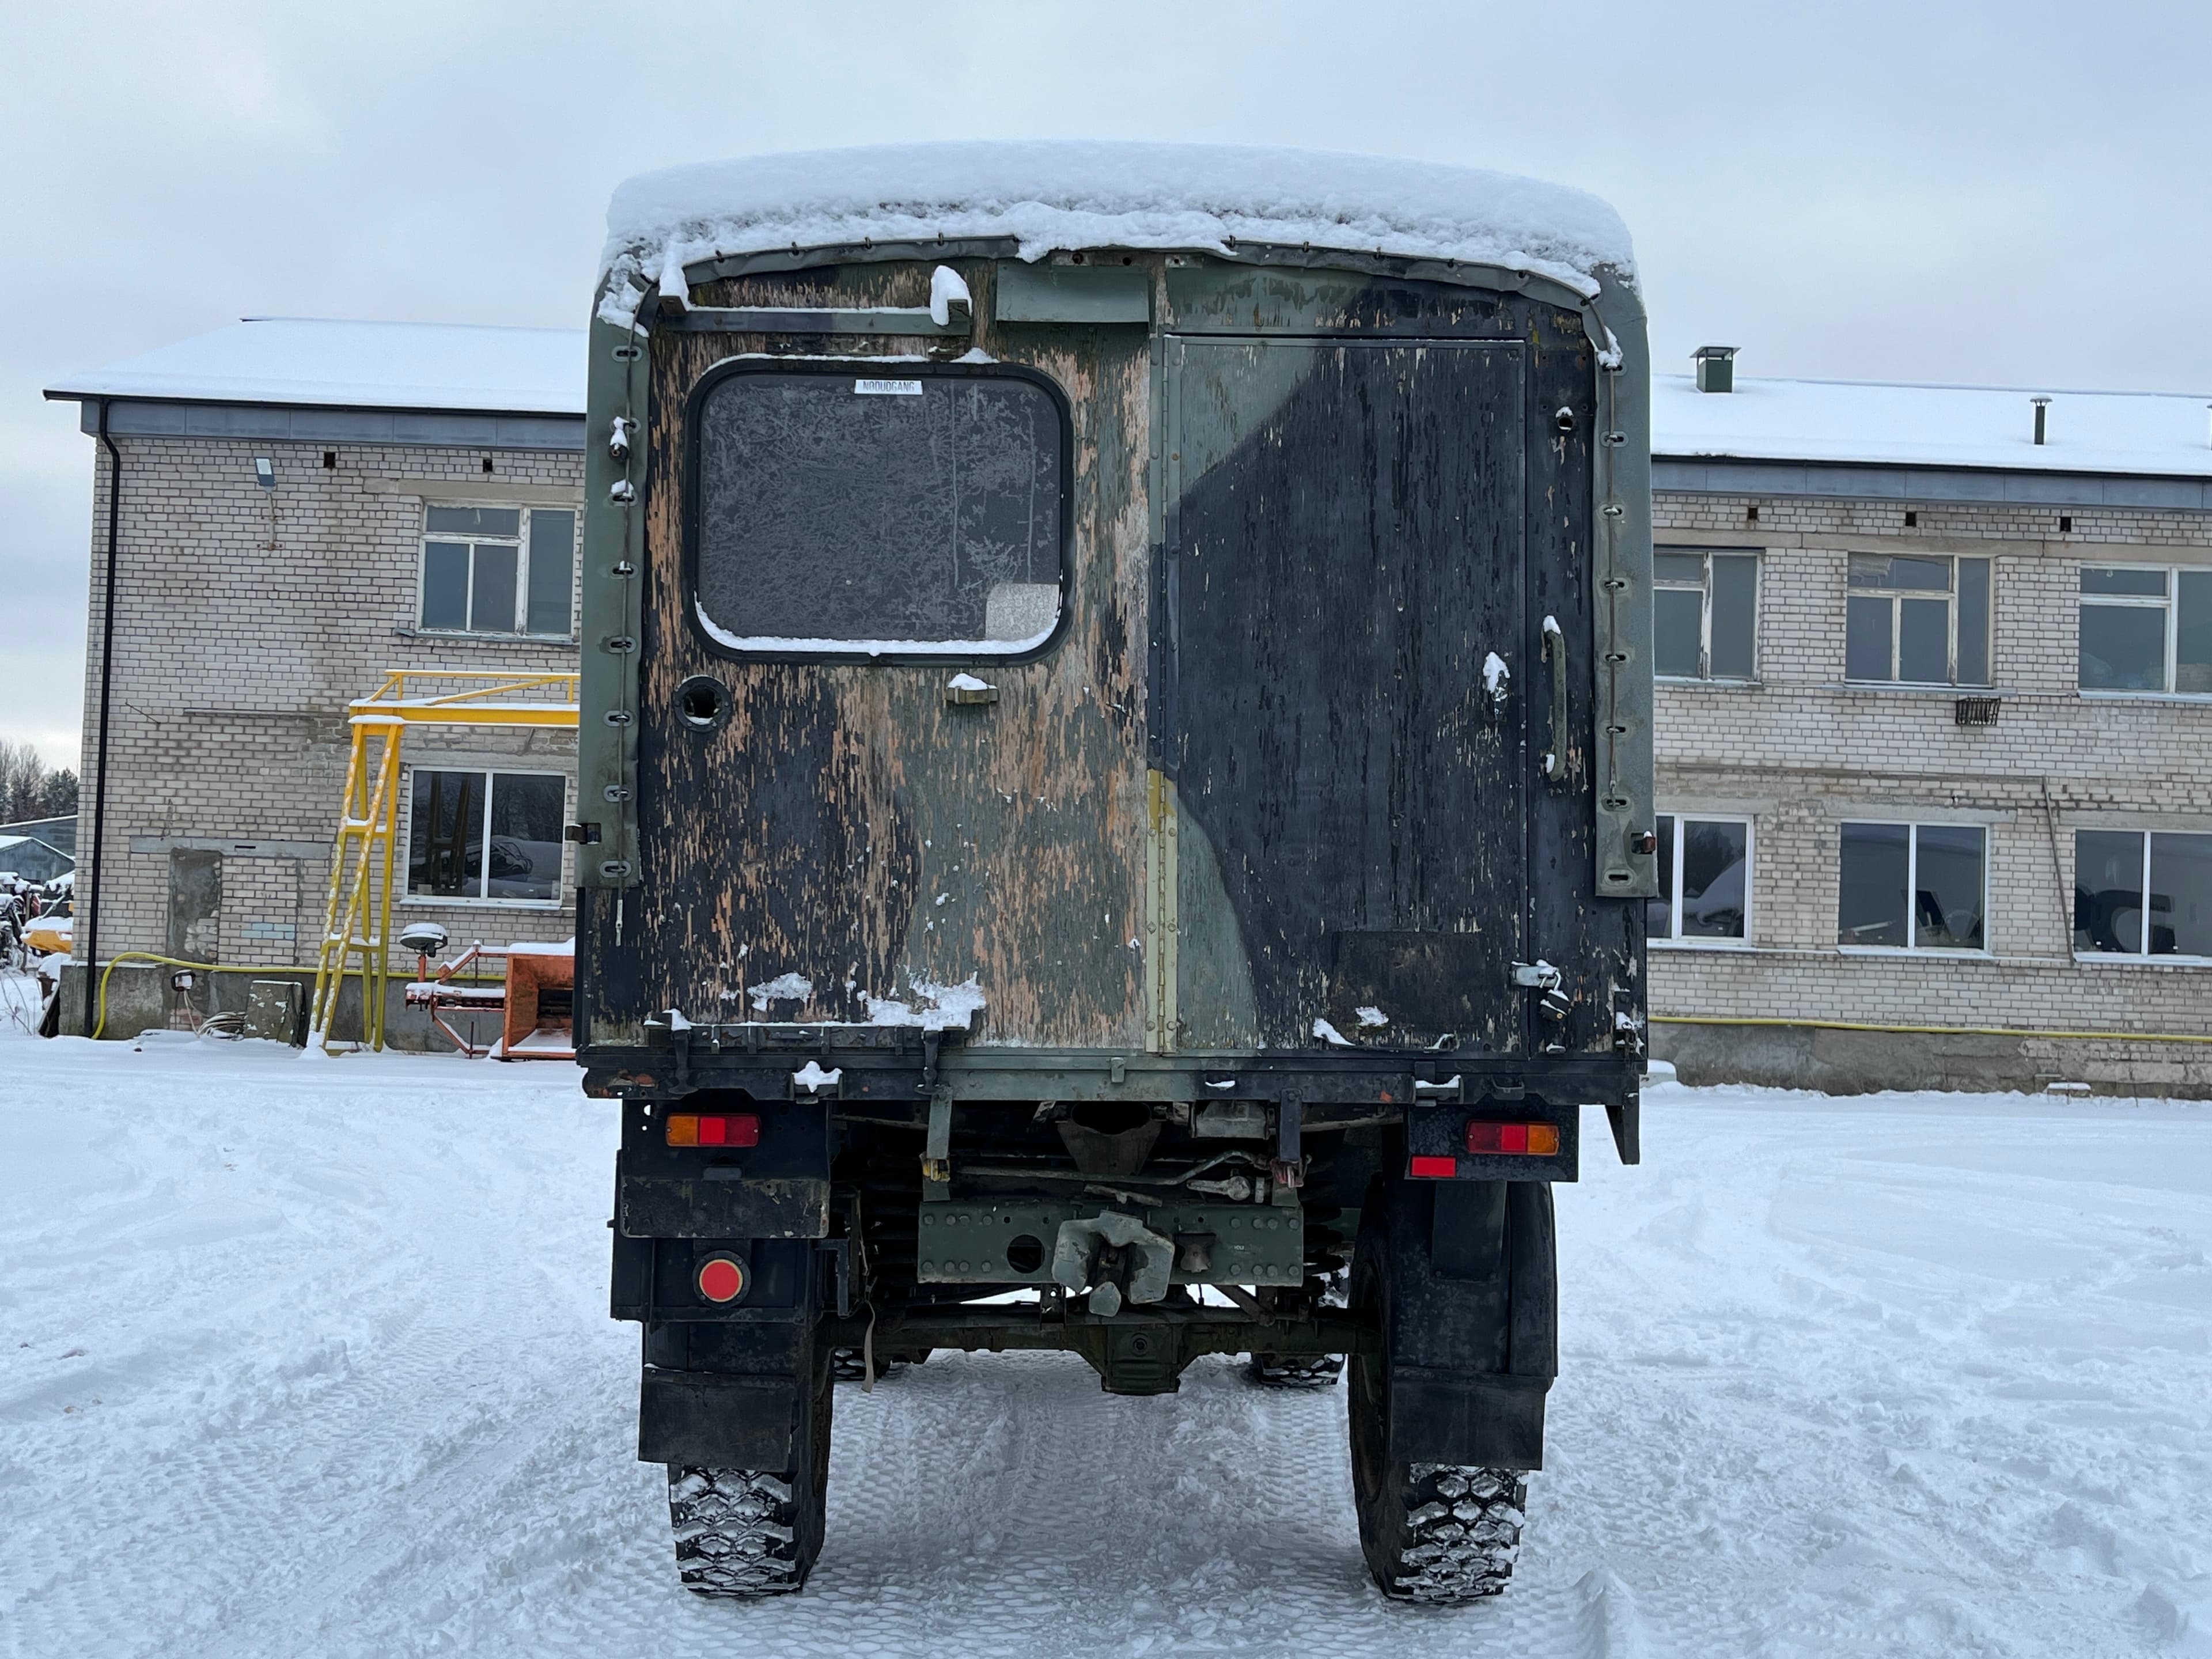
(790, 1208)
(1446, 1416)
(708, 1419)
(1474, 1342)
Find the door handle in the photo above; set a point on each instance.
(1555, 653)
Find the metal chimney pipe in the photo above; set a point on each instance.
(2041, 404)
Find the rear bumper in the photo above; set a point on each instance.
(764, 1061)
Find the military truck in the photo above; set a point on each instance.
(1115, 796)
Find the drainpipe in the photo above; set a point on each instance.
(106, 683)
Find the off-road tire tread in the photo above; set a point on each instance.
(849, 1365)
(1463, 1532)
(1298, 1372)
(736, 1531)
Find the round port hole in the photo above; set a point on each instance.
(1024, 1253)
(703, 702)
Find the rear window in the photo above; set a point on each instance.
(879, 514)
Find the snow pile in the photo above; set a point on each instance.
(948, 288)
(1051, 195)
(784, 988)
(945, 1007)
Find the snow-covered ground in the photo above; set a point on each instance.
(311, 1358)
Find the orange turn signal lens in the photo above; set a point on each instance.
(713, 1129)
(1513, 1139)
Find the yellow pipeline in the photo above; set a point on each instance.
(172, 962)
(1926, 1031)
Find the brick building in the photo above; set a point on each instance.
(1932, 708)
(1935, 687)
(299, 508)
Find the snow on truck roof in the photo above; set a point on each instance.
(315, 361)
(1057, 195)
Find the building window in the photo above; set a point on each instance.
(1913, 886)
(1704, 615)
(2117, 913)
(1916, 620)
(1704, 881)
(2146, 629)
(920, 513)
(498, 570)
(474, 837)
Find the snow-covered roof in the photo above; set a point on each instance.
(352, 365)
(2146, 433)
(1067, 194)
(434, 366)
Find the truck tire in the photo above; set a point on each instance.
(1436, 1533)
(742, 1534)
(849, 1365)
(1297, 1371)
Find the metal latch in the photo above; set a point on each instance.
(937, 1150)
(1627, 1025)
(1543, 979)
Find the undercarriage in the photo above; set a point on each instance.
(779, 1226)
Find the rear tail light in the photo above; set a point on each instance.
(713, 1129)
(1434, 1169)
(721, 1278)
(1514, 1140)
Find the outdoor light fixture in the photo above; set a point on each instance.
(264, 472)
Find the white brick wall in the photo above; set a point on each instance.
(1798, 752)
(246, 621)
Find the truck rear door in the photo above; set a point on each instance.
(1340, 683)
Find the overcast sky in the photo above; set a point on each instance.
(2010, 193)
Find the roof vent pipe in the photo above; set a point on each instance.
(1715, 367)
(2041, 404)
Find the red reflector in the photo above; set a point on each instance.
(1435, 1169)
(1513, 1139)
(722, 1279)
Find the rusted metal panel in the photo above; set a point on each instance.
(845, 824)
(769, 1207)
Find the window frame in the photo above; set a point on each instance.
(1896, 598)
(1912, 945)
(845, 369)
(520, 543)
(2144, 956)
(1704, 676)
(1676, 940)
(2169, 603)
(483, 900)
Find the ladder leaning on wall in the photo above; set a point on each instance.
(357, 925)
